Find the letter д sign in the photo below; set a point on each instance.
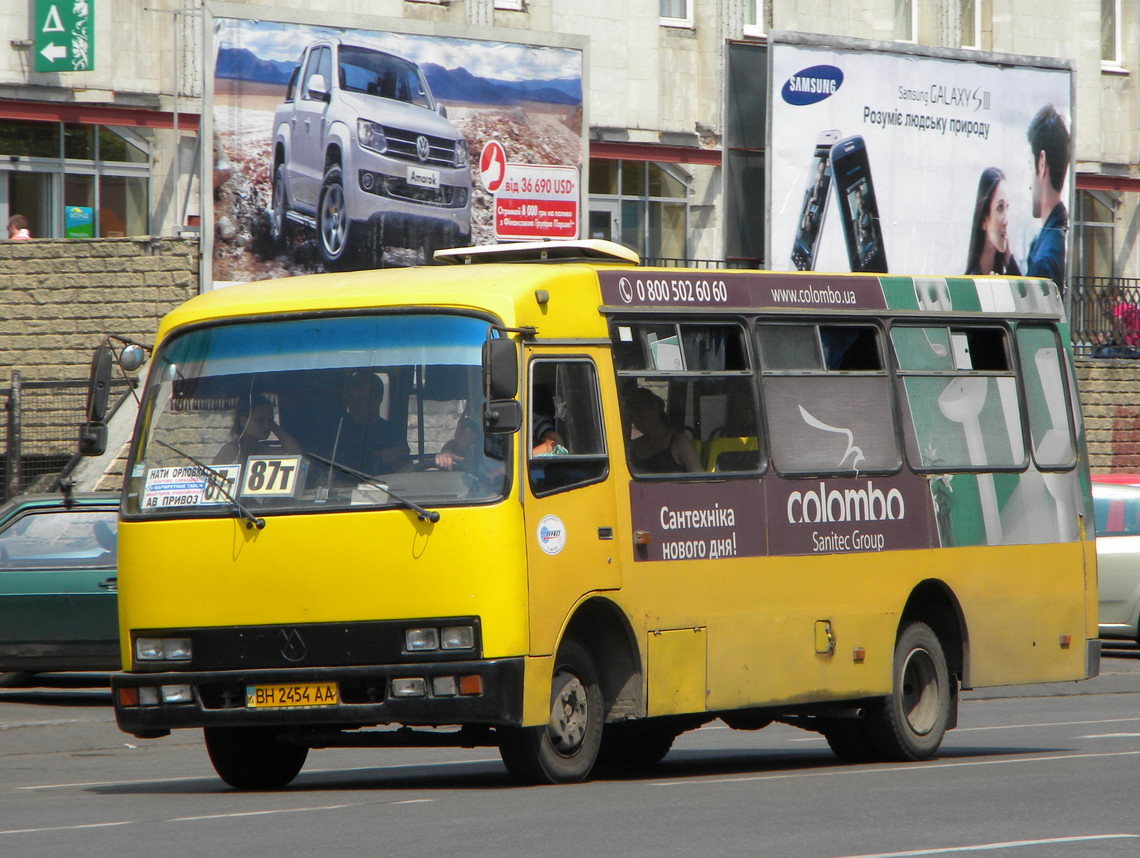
(65, 35)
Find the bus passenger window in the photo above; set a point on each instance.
(960, 405)
(828, 399)
(1046, 399)
(567, 445)
(687, 397)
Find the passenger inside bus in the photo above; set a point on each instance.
(544, 433)
(660, 448)
(252, 426)
(364, 440)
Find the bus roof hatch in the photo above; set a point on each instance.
(591, 250)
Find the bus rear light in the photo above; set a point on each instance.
(472, 684)
(1066, 641)
(641, 537)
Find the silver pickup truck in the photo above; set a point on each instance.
(363, 154)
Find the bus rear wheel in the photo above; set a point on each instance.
(910, 722)
(253, 757)
(565, 748)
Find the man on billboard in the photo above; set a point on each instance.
(1049, 144)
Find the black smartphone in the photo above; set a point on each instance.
(857, 205)
(816, 197)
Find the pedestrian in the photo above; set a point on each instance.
(18, 228)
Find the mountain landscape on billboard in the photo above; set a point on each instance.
(244, 64)
(455, 85)
(460, 85)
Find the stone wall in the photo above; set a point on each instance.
(1110, 402)
(58, 298)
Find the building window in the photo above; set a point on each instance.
(642, 204)
(1094, 233)
(970, 23)
(905, 15)
(676, 13)
(510, 5)
(72, 180)
(1110, 32)
(753, 17)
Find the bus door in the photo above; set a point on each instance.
(571, 509)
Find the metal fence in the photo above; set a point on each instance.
(1104, 316)
(41, 430)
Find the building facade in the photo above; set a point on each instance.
(114, 149)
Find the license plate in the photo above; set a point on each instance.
(423, 178)
(294, 695)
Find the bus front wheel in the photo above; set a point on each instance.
(253, 757)
(565, 748)
(910, 722)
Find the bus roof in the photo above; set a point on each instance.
(560, 287)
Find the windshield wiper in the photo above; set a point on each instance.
(218, 480)
(424, 514)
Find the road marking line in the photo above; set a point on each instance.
(1111, 736)
(64, 827)
(908, 767)
(239, 814)
(990, 847)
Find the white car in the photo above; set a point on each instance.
(1117, 512)
(363, 154)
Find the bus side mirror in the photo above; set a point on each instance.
(99, 384)
(501, 369)
(93, 439)
(502, 413)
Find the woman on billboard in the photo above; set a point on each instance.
(989, 234)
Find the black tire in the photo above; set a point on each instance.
(564, 750)
(14, 677)
(634, 746)
(848, 739)
(333, 226)
(253, 757)
(910, 722)
(280, 227)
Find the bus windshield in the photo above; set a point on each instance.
(329, 412)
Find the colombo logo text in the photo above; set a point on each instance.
(836, 505)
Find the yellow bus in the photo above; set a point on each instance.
(545, 500)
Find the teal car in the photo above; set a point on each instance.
(58, 602)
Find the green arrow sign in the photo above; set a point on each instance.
(65, 35)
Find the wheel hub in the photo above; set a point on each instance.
(920, 691)
(569, 711)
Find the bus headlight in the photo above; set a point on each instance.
(162, 649)
(457, 637)
(421, 640)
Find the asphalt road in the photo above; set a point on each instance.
(1037, 772)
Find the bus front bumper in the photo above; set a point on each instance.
(456, 692)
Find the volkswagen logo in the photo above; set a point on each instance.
(423, 148)
(292, 645)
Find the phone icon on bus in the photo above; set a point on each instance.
(858, 206)
(817, 194)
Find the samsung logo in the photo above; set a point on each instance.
(812, 84)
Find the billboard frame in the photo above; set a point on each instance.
(866, 46)
(213, 10)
